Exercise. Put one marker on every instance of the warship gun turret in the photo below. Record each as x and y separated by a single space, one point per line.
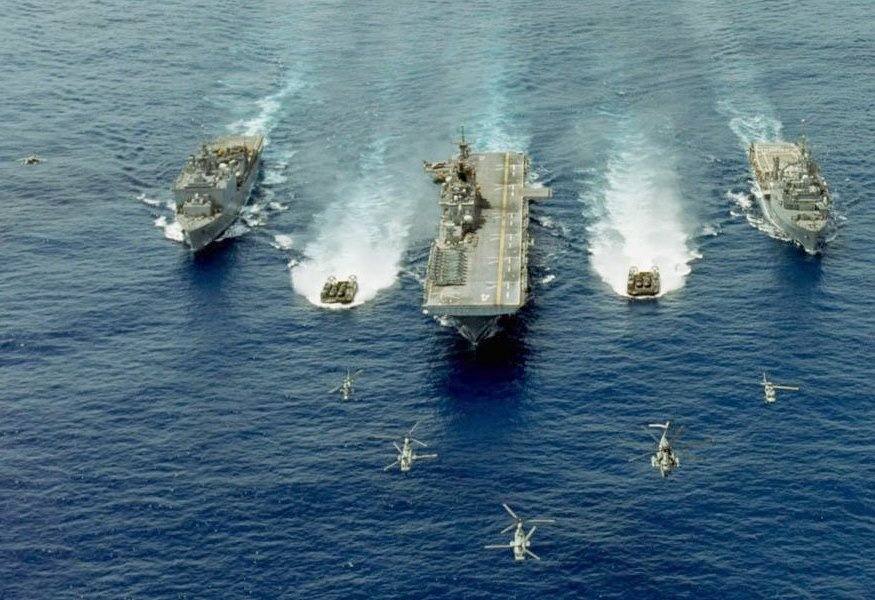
643 283
794 197
478 264
214 185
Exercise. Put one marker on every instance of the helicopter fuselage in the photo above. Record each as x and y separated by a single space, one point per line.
520 543
405 459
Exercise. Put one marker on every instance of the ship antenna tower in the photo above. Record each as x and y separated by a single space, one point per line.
464 147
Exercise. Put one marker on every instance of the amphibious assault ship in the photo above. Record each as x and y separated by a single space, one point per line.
478 264
794 195
214 185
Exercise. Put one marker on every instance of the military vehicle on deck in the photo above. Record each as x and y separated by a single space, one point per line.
339 292
643 283
214 185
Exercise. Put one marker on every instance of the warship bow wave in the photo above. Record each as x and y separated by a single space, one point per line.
478 264
794 197
214 186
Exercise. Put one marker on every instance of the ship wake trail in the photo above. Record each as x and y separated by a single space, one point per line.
496 127
637 219
365 233
270 110
736 77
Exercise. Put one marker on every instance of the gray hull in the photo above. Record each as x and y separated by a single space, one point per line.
200 236
214 186
810 240
793 195
476 329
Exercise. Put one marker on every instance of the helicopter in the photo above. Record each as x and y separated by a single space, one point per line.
521 541
770 387
346 388
406 455
666 459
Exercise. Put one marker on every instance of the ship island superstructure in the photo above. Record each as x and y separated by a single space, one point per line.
214 185
795 197
478 264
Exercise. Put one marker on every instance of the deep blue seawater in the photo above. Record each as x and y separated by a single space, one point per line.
165 430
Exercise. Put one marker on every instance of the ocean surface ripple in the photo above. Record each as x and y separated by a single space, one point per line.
165 424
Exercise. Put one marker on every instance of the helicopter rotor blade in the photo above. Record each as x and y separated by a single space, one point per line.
387 467
532 554
508 528
335 390
510 512
397 447
412 429
531 532
645 455
416 441
541 520
498 546
421 456
792 388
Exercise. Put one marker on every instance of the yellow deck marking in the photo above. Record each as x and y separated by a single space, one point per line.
503 229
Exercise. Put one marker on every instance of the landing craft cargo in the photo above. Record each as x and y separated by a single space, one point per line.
478 265
794 195
214 185
643 283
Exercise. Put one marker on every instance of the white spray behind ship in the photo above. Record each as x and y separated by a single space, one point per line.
638 218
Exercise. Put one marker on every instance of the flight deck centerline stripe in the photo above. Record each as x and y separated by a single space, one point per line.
503 230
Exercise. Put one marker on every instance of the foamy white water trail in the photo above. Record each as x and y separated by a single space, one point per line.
282 241
172 229
495 130
638 219
269 109
736 76
364 233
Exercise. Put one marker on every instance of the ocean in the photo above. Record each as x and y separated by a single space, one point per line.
166 426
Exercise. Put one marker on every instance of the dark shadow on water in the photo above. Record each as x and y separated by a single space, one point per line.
493 370
799 271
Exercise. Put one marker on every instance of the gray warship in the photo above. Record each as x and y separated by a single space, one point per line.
478 264
214 185
794 196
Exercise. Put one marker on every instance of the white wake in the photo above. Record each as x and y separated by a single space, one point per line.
638 219
269 109
363 233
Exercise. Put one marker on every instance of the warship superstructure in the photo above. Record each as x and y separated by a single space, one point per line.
478 264
214 185
794 197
